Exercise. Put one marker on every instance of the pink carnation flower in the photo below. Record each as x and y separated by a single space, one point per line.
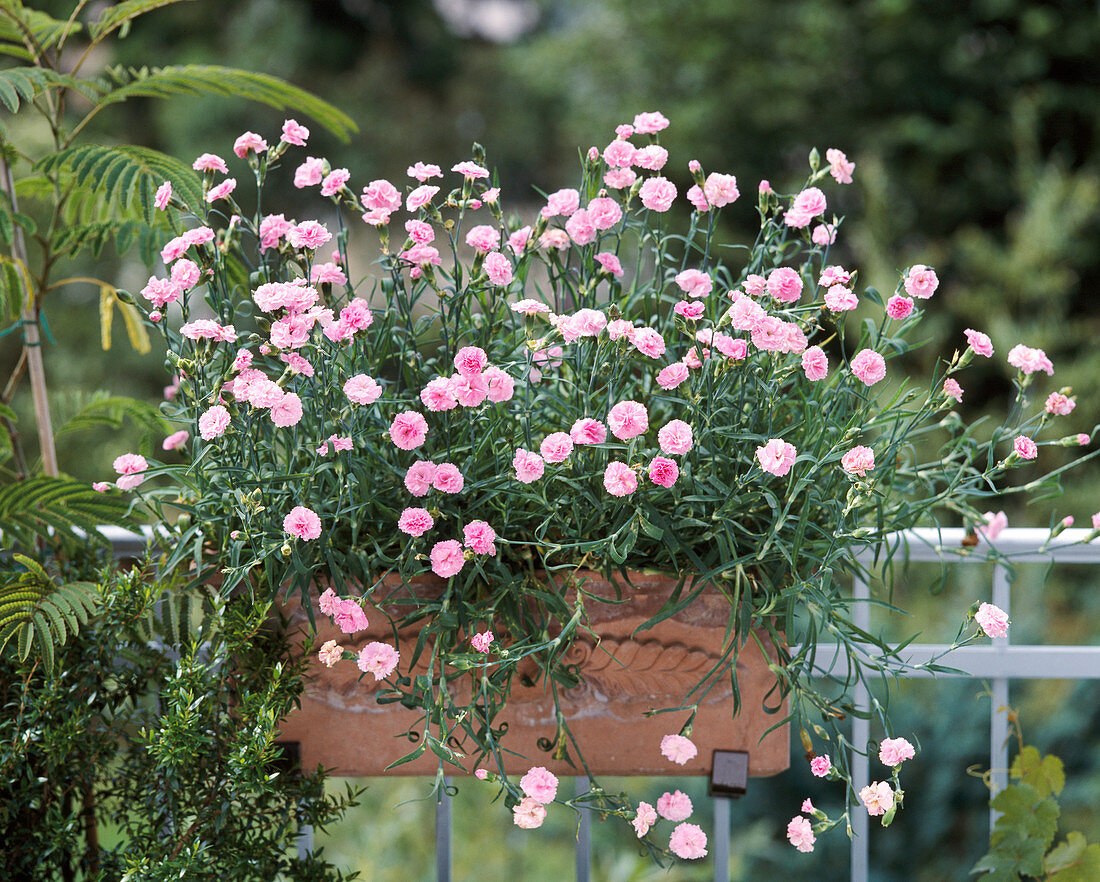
310 173
501 385
213 422
800 834
695 283
163 194
815 364
898 307
858 461
674 806
210 162
672 376
334 181
1030 360
561 202
447 478
330 653
483 238
423 171
1025 448
868 366
658 194
470 361
556 447
839 166
776 457
1058 404
806 206
784 284
652 157
649 342
470 170
675 438
952 389
249 142
415 521
992 620
878 797
994 524
287 411
820 766
663 471
379 659
834 275
176 440
678 749
447 558
294 133
349 616
362 389
540 784
421 196
921 282
840 299
894 751
823 234
650 123
609 263
627 420
588 431
498 268
480 538
979 342
222 190
720 190
419 477
380 195
619 479
408 430
528 814
302 522
644 818
529 466
604 212
688 841
482 641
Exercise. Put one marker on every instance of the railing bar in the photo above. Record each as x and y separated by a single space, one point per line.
721 839
584 834
998 704
861 734
443 834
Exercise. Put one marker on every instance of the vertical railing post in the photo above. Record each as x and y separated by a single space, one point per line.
861 734
998 703
583 858
721 847
443 833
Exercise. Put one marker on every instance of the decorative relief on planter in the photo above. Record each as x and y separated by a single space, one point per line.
341 726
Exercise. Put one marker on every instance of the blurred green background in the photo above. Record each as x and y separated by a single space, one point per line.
975 128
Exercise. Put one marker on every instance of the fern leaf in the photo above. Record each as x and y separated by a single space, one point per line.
111 411
197 79
41 29
38 611
24 84
116 173
122 14
30 509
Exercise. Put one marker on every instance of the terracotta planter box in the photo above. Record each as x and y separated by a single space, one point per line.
341 726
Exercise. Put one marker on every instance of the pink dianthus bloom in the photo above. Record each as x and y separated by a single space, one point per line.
556 447
480 538
362 389
131 467
649 342
561 202
310 173
720 190
663 471
222 190
447 558
210 162
482 641
420 232
658 194
815 364
498 268
921 281
287 411
652 157
678 749
581 228
834 275
470 361
470 170
419 477
820 766
675 437
784 284
501 385
868 366
540 784
754 285
349 616
588 431
1025 448
1030 360
688 841
379 659
776 457
807 205
994 524
674 806
697 198
334 182
979 342
840 299
421 196
688 310
528 814
330 653
213 422
408 430
619 479
858 461
328 602
447 478
878 797
628 419
309 235
1058 404
529 466
423 171
894 751
249 141
672 376
327 273
483 238
175 440
604 212
992 620
898 307
839 166
415 521
518 240
952 389
650 123
695 283
295 133
619 155
609 263
302 522
439 395
380 195
823 234
800 834
644 818
163 194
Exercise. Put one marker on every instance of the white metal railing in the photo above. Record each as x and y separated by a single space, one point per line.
1000 662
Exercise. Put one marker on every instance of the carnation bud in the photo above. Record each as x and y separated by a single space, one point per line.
286 550
593 154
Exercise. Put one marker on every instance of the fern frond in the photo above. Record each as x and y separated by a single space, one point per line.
30 509
38 611
110 411
94 236
19 25
122 14
24 84
198 79
121 173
